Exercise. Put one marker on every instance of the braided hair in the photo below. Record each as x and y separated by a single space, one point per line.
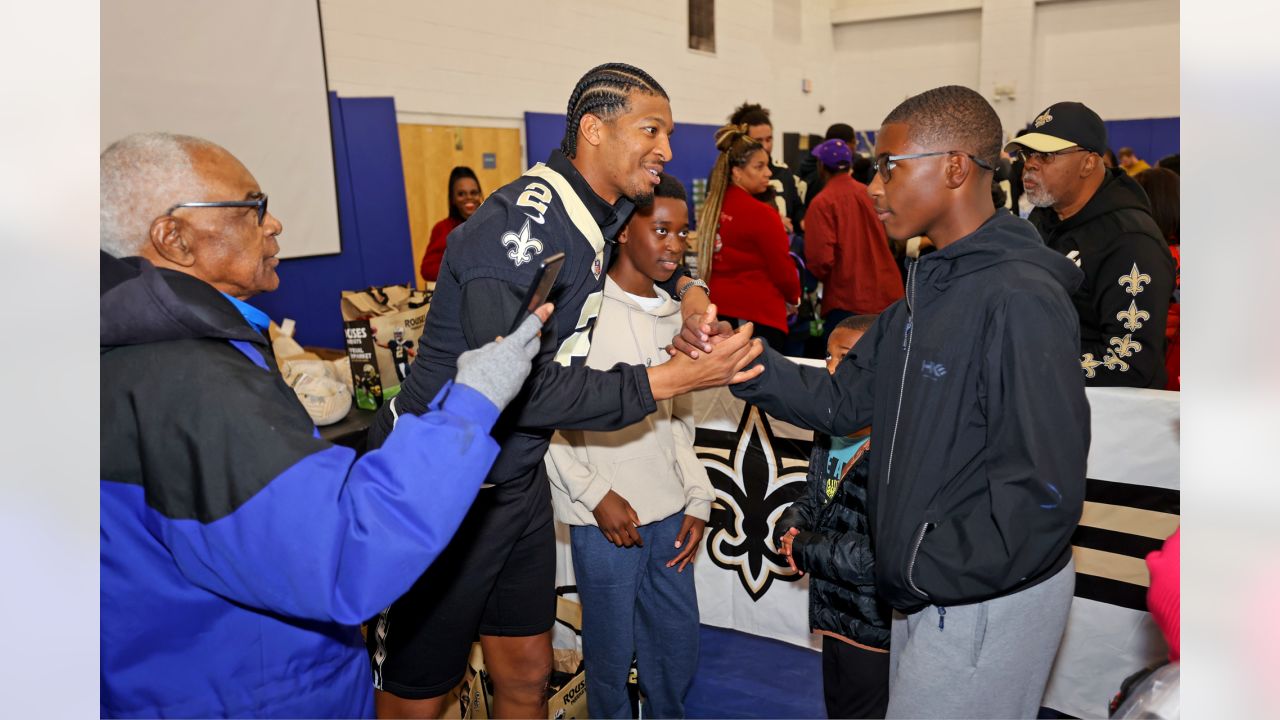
603 92
736 148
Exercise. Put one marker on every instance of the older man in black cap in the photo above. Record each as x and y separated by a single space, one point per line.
1101 219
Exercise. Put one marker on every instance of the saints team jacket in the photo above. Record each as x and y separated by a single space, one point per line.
239 551
489 261
972 386
1128 282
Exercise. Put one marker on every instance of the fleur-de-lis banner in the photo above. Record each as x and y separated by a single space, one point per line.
755 476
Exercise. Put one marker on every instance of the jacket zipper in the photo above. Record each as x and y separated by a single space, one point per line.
907 335
911 565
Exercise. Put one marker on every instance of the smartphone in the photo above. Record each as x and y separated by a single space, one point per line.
543 280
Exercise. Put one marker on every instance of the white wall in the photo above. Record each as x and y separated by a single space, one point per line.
486 63
883 62
489 62
1119 57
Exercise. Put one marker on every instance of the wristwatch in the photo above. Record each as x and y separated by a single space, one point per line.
693 282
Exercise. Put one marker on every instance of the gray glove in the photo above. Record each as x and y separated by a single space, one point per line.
497 370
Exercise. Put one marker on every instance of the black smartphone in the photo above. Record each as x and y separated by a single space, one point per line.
543 280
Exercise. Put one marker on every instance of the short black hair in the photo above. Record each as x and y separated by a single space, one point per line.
750 114
1170 162
670 187
603 92
951 117
840 131
857 323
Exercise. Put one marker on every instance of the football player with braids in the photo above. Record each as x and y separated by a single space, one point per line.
497 577
786 191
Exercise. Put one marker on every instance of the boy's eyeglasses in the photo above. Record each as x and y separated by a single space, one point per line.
885 163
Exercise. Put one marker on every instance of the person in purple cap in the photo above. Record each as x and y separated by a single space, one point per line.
845 245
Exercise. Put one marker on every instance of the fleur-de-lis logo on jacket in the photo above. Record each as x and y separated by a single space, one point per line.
1133 317
754 481
1126 346
1135 280
523 247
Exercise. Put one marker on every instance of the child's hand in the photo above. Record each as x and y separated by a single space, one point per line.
618 520
687 541
784 546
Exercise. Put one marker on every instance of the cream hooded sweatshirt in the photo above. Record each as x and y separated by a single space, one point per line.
652 464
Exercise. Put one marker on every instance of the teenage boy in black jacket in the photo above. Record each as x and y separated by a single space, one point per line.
971 384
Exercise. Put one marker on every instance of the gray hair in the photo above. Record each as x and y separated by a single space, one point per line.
142 175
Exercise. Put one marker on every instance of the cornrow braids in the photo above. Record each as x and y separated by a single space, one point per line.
736 148
951 117
750 114
603 92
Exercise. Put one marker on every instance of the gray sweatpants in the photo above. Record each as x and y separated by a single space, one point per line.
990 659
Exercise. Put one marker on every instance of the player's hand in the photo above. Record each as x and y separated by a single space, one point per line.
785 548
701 332
726 366
687 541
618 520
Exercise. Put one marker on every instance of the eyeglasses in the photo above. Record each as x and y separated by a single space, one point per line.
885 163
258 200
1044 158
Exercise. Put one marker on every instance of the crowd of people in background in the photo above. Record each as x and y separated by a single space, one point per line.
948 273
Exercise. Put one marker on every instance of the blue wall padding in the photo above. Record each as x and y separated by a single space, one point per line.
373 218
693 148
1150 138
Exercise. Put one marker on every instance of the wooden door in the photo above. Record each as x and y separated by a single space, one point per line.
430 152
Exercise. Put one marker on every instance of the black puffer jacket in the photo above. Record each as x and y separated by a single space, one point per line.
832 548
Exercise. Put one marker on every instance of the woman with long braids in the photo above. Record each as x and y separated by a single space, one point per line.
743 250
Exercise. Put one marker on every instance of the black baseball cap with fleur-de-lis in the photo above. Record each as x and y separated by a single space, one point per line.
1063 125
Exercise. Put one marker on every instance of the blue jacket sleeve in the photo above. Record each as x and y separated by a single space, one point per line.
337 539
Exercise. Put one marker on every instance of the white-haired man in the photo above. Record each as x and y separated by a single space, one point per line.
239 551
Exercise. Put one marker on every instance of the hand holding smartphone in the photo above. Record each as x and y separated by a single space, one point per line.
543 280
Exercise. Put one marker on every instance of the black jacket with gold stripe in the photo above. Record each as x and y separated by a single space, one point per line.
489 262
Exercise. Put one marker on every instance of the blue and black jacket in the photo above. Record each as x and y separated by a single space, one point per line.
239 551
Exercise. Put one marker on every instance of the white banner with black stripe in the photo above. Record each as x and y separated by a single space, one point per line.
757 467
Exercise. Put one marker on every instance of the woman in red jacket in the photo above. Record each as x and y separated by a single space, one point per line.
464 198
743 250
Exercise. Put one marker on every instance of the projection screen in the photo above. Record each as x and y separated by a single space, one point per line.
246 74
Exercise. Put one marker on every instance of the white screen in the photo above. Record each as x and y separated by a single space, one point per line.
246 74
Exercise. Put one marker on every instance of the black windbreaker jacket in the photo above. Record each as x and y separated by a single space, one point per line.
972 386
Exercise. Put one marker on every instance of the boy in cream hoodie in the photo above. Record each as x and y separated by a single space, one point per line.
637 499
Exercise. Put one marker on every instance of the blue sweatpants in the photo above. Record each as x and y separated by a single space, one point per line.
632 604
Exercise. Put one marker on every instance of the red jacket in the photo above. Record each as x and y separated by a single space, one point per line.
435 248
752 274
845 247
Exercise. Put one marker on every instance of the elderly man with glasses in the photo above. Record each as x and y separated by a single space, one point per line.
240 552
1100 219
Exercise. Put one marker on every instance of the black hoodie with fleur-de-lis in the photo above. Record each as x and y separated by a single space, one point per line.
1128 282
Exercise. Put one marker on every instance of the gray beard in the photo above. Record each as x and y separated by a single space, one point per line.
1041 197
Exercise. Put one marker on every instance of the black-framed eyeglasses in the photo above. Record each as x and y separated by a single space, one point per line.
1044 158
885 163
258 201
